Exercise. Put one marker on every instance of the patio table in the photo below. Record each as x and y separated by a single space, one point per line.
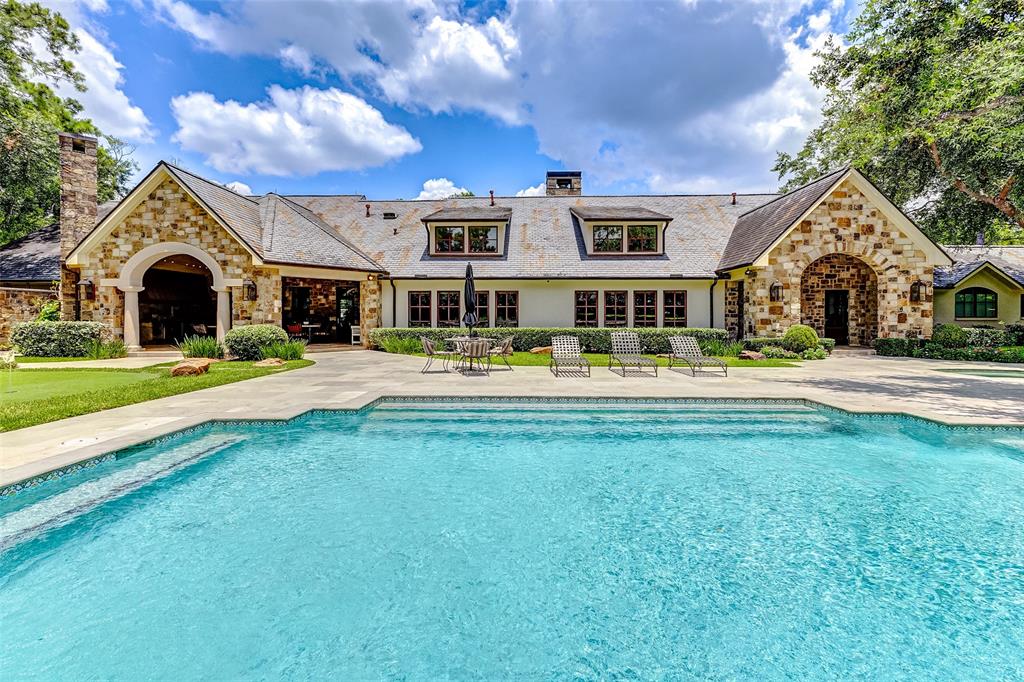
309 330
460 341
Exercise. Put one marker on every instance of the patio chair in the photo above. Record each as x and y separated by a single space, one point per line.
686 349
432 353
294 331
565 352
503 350
627 352
477 350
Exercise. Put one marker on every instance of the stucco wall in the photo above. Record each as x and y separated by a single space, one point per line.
550 303
1008 301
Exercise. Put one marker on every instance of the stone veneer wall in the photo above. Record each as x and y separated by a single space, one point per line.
20 305
169 214
845 222
321 295
78 197
369 308
733 323
840 271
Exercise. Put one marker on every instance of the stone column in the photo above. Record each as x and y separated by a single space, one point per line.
223 313
131 317
369 303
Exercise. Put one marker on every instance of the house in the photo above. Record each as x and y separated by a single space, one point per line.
181 254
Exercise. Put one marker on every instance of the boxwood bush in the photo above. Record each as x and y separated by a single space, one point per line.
248 342
914 348
1015 334
592 339
800 337
757 343
950 336
987 337
65 339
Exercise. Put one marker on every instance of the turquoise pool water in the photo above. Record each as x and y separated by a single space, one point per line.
527 541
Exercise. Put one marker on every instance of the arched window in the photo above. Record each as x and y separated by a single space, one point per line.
976 302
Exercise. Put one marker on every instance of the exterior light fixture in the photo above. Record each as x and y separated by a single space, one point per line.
249 287
775 292
917 291
86 290
750 272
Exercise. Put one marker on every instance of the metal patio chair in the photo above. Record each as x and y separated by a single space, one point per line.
685 349
503 350
430 348
627 352
565 352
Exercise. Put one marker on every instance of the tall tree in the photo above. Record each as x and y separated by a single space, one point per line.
34 47
927 98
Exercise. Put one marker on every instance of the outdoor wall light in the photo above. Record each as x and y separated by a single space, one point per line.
86 290
917 291
775 292
249 287
750 272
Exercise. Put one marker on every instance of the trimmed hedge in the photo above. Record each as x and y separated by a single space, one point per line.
56 339
248 342
915 348
1015 334
592 339
897 348
756 343
987 337
950 336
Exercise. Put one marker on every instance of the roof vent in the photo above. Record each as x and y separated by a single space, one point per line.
390 215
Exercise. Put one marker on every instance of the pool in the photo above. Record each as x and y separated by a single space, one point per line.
527 540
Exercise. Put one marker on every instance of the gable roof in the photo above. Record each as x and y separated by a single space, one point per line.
758 229
293 234
240 213
1007 260
32 258
469 213
618 213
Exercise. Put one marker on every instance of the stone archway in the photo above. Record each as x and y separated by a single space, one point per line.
131 283
822 284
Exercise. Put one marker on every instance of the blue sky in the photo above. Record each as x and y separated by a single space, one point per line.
403 99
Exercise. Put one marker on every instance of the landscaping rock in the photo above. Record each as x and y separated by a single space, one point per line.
751 355
191 367
269 362
541 350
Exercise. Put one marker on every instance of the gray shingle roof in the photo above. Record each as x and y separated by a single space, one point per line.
469 213
618 213
756 230
33 258
967 259
294 234
240 212
545 240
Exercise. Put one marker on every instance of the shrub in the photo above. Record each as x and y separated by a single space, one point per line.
55 339
950 336
986 337
400 345
1015 334
49 311
827 344
896 348
201 347
104 350
799 338
248 342
722 348
289 350
816 353
756 343
8 361
778 353
592 339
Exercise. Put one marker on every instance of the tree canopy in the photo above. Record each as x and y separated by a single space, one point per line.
927 99
35 44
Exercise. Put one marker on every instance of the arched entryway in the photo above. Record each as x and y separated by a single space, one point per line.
839 299
177 300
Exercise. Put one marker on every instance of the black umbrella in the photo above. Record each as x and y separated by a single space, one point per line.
470 319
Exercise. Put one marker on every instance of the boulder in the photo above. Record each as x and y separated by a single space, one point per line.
541 350
191 367
751 355
269 362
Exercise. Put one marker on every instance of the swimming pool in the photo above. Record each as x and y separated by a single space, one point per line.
494 540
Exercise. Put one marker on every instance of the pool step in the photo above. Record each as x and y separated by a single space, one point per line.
60 509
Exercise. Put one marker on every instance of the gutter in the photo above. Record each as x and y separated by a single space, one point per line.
711 302
394 302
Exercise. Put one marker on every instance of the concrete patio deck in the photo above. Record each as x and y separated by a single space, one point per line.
352 379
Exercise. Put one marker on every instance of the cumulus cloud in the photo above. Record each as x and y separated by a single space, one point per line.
239 187
535 191
440 188
294 132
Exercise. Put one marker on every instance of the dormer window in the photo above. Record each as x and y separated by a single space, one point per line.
642 239
449 239
467 230
607 238
621 230
483 239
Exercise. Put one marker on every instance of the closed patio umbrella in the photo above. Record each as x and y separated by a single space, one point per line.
470 319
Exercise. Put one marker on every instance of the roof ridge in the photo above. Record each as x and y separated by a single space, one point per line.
315 220
797 189
207 180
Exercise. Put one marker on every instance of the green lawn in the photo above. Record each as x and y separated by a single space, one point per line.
520 359
36 396
33 359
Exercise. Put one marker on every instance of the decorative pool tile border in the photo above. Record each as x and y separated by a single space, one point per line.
56 474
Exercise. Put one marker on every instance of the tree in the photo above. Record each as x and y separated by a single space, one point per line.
31 115
927 99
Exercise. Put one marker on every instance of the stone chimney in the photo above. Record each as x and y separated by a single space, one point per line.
564 184
78 195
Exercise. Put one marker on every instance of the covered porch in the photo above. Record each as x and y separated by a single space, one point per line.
327 308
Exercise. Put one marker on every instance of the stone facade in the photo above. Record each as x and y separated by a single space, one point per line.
844 223
169 214
840 271
78 199
20 305
369 307
322 299
734 323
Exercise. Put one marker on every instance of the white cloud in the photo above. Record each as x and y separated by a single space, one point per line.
535 191
239 187
302 131
440 188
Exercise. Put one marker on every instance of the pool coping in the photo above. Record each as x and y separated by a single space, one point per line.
366 402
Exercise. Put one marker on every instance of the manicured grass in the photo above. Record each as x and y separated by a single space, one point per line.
59 393
520 359
33 359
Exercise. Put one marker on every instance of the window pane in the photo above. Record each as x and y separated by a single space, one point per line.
449 239
482 308
419 308
675 308
586 308
483 240
643 238
645 309
615 309
448 310
607 238
506 308
976 302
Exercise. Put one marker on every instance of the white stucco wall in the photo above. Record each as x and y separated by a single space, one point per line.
550 303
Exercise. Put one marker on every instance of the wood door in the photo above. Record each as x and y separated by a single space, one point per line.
837 316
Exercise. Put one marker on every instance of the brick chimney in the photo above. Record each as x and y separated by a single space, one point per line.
564 184
77 208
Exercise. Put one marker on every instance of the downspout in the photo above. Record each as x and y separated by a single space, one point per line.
711 300
394 302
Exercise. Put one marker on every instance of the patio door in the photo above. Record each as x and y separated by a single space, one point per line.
347 302
837 316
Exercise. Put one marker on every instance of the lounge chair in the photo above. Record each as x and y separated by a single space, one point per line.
433 353
627 352
565 352
686 349
503 350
